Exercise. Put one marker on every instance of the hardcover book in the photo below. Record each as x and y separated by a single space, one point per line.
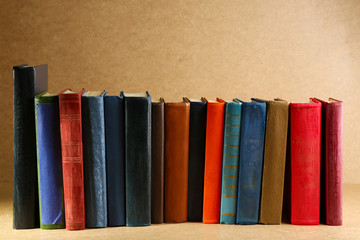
115 158
93 124
177 116
213 160
27 82
48 144
230 167
252 136
137 158
72 158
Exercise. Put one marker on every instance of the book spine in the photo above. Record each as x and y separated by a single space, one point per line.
252 138
230 166
213 162
93 125
49 162
305 130
72 160
197 138
115 159
138 160
157 163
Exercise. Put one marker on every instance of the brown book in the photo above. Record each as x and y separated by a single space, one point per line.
274 162
157 162
177 116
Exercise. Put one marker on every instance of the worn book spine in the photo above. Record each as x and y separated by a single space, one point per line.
157 162
274 162
177 116
49 162
72 158
138 159
115 159
197 138
252 138
305 127
230 167
27 82
93 124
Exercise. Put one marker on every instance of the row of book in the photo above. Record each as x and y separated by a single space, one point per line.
89 159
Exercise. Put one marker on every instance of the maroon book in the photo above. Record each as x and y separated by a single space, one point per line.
72 158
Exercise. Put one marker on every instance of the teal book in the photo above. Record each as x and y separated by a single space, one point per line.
230 169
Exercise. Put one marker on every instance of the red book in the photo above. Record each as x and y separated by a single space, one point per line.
305 137
213 160
331 160
72 158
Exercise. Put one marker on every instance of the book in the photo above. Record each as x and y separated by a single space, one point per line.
27 82
93 132
274 162
47 122
137 158
115 158
230 167
252 136
213 160
177 116
331 161
72 158
157 161
305 136
197 138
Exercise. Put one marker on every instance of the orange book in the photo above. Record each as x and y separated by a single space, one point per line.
213 160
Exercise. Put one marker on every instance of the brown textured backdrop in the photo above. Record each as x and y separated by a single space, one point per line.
288 49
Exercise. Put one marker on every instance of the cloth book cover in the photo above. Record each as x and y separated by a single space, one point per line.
277 122
177 117
197 138
93 124
27 82
213 160
115 158
157 161
252 136
305 134
137 158
72 158
230 167
331 161
48 144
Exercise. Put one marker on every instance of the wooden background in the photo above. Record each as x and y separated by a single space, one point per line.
279 48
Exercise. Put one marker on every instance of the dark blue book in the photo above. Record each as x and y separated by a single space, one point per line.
252 136
138 158
93 127
115 159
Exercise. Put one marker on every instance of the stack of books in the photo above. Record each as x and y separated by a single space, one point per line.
87 159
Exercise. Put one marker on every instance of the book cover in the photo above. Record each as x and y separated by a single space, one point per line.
72 158
93 125
137 158
197 138
177 116
230 167
27 82
305 136
115 158
213 160
157 161
47 122
252 136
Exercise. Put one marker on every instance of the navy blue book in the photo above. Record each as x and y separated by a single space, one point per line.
93 127
47 121
138 158
115 159
252 136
